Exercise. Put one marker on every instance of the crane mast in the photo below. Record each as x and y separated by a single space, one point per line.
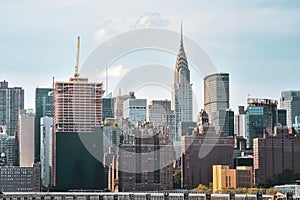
76 74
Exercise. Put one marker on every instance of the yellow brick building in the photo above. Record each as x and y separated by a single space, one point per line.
226 178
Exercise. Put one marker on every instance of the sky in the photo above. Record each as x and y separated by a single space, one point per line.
256 41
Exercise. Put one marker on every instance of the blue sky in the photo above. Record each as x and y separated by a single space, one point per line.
256 41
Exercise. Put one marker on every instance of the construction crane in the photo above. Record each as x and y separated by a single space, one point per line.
76 74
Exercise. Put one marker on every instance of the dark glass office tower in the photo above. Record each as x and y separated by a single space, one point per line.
43 108
261 118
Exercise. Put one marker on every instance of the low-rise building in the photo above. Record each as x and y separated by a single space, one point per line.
20 179
226 178
294 188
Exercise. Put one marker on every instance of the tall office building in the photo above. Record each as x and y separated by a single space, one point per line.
159 112
290 101
118 107
156 110
77 119
7 147
26 137
229 122
182 94
261 117
77 105
216 99
11 101
111 134
43 108
281 117
135 110
240 122
274 154
108 104
297 124
46 126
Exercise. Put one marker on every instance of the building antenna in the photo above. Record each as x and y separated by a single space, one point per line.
76 74
181 27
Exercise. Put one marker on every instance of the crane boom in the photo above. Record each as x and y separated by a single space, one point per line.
76 74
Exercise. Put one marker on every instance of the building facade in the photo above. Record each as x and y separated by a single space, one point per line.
200 153
77 105
11 101
240 122
281 117
186 128
229 123
26 137
261 117
290 101
135 110
20 179
157 110
7 148
118 107
275 154
216 99
182 94
111 134
145 161
46 151
108 103
77 133
43 108
226 178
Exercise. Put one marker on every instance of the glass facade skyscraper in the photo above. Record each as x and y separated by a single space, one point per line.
108 103
290 101
43 108
11 101
261 117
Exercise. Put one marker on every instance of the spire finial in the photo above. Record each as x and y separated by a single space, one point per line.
76 74
181 27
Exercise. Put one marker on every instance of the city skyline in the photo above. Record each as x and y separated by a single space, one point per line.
164 96
259 42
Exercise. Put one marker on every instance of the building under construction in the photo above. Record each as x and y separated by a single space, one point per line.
77 111
77 103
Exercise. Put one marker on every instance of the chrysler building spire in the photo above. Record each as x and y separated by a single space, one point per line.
181 60
182 89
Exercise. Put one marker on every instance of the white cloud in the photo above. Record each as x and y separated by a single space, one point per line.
117 25
117 71
151 20
109 28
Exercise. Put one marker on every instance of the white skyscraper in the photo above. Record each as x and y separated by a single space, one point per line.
182 95
26 138
46 125
240 122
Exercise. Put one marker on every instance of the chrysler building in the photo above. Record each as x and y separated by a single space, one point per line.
182 95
